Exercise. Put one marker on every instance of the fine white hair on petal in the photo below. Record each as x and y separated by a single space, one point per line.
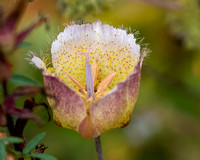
96 31
38 63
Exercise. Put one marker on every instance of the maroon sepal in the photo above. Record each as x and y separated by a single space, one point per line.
30 90
11 109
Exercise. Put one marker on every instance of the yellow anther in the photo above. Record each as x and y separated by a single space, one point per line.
76 82
100 94
94 72
105 82
91 80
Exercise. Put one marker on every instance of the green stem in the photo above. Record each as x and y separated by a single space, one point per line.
99 148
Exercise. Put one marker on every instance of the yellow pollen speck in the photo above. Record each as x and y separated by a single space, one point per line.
109 58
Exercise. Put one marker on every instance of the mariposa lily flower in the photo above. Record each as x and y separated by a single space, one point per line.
94 77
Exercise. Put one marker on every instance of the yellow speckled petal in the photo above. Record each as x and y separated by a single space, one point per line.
50 71
76 82
68 107
112 49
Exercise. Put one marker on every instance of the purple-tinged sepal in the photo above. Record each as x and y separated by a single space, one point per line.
67 106
114 109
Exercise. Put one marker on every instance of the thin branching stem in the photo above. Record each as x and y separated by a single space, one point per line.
5 91
10 123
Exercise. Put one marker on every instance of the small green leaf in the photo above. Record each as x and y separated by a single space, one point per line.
2 151
24 44
17 154
11 139
33 143
3 129
23 80
42 156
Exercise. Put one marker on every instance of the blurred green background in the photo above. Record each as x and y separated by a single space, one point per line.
165 123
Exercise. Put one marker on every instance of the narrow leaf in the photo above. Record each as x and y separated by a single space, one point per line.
42 156
24 44
2 151
21 36
33 143
11 139
23 80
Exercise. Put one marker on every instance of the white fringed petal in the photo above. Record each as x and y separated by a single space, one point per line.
95 32
38 63
112 49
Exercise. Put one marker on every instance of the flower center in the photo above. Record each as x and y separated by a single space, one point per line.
92 93
109 56
89 76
